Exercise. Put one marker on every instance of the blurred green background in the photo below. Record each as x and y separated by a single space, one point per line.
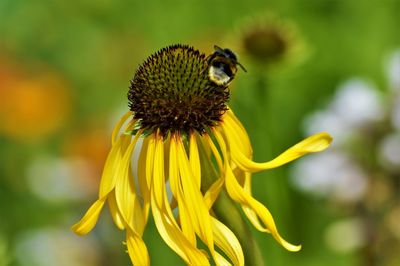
65 68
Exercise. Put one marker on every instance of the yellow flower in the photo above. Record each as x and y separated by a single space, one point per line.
181 119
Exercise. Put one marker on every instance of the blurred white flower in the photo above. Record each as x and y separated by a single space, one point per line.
327 121
395 113
356 104
393 70
60 179
346 235
52 246
389 151
331 174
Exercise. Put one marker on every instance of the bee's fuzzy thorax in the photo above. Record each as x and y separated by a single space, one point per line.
219 76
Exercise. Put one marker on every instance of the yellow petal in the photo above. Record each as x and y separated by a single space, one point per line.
115 214
107 182
187 227
174 238
137 249
158 187
184 211
220 260
150 158
144 187
207 142
162 214
315 143
157 162
237 127
244 178
204 144
112 165
139 217
213 191
226 240
125 191
118 126
238 194
194 159
193 197
89 220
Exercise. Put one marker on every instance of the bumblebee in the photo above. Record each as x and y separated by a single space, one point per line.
222 66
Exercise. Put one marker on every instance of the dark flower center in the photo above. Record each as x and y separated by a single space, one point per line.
265 44
171 91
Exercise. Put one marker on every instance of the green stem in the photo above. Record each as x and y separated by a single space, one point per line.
229 214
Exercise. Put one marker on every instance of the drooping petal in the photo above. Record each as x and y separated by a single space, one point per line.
250 214
89 220
238 128
125 191
315 143
144 187
157 163
186 221
138 218
151 145
115 213
163 217
244 180
194 159
238 194
108 179
220 260
107 183
176 188
137 249
174 238
111 167
226 240
194 199
207 142
118 127
158 185
213 191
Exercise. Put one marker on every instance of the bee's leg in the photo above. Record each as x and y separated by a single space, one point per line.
207 67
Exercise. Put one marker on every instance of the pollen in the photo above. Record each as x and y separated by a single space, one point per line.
171 92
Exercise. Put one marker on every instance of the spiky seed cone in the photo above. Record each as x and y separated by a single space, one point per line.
171 92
